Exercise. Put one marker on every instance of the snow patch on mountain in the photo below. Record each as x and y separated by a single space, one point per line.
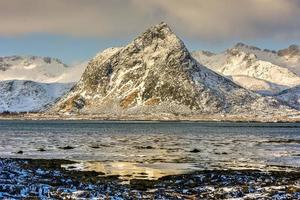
258 85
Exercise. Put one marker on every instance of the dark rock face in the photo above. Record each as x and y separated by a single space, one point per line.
292 50
153 74
242 45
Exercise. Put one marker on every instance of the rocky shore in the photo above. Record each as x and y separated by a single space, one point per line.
291 118
42 179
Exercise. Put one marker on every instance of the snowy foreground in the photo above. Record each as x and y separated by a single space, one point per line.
29 179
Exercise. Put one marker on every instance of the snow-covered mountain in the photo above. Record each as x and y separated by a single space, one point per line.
29 83
262 71
156 74
288 58
291 97
29 96
39 69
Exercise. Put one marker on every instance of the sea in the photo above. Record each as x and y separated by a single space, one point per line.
152 149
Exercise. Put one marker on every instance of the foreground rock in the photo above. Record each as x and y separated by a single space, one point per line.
30 179
156 74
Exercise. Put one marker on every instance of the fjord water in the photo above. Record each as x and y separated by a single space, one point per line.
155 148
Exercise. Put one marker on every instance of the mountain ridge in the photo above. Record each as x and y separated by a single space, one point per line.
18 96
37 68
253 63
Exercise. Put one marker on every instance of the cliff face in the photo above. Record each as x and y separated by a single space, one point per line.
156 74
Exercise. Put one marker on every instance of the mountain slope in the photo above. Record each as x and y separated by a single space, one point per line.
252 68
288 58
29 96
156 74
39 69
291 97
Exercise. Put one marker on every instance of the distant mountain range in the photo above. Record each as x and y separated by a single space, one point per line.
156 74
29 83
39 69
29 96
263 71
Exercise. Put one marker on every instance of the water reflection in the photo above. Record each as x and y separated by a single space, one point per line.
128 171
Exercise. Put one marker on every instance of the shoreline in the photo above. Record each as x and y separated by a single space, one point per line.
41 178
154 118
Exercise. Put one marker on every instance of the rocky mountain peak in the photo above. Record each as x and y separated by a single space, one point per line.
159 31
153 74
158 37
240 44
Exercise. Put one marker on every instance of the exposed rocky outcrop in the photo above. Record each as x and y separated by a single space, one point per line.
291 51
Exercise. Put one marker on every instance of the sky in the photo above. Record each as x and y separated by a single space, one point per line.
75 30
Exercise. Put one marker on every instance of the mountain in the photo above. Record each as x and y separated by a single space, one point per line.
29 83
29 96
291 97
263 71
288 58
155 74
39 69
290 52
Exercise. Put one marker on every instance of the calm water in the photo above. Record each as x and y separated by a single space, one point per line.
146 146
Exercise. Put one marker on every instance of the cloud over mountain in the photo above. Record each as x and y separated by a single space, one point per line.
201 19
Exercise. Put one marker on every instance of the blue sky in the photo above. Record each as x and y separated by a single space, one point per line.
75 30
74 49
68 49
